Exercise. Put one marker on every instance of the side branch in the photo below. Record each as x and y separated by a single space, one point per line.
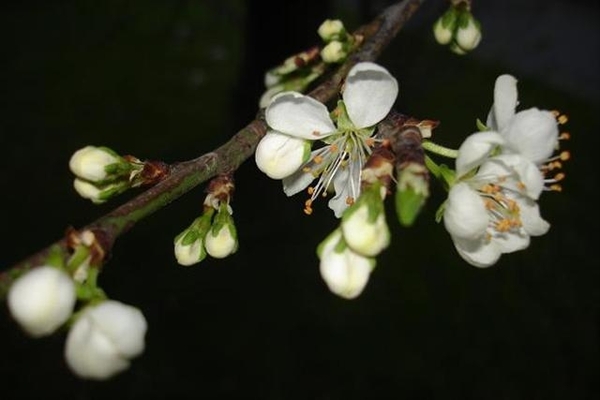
184 176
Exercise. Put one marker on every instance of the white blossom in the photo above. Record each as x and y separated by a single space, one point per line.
42 300
369 94
104 338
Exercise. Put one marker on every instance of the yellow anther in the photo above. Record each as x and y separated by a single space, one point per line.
318 159
370 142
562 119
556 188
503 225
489 204
490 188
308 207
333 148
565 155
310 190
521 186
516 223
306 170
512 205
556 113
349 200
564 136
559 177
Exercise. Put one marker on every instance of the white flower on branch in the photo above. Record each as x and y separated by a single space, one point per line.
42 300
495 211
90 163
368 95
104 338
492 209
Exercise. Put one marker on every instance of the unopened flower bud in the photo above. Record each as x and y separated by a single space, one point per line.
42 300
411 192
90 162
345 272
363 223
222 241
468 33
279 155
189 244
98 194
334 52
444 27
104 339
331 29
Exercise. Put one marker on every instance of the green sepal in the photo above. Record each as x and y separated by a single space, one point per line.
439 214
408 205
481 126
447 174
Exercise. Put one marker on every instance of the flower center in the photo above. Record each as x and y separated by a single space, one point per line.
505 214
346 150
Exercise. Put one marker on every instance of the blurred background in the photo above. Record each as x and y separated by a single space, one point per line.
171 80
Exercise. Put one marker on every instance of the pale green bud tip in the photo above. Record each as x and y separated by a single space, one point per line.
334 52
365 229
42 300
104 339
468 36
222 243
89 163
331 29
189 252
412 191
443 34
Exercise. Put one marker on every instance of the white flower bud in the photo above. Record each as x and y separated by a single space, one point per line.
89 163
42 300
331 29
334 52
104 339
279 155
468 36
345 272
443 34
222 243
365 233
189 252
87 190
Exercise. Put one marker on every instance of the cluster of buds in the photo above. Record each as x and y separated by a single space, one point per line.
301 69
213 232
458 28
338 42
100 173
347 255
63 293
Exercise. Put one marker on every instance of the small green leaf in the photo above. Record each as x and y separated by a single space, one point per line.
408 205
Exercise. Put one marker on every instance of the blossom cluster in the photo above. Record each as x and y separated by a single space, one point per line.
103 336
501 172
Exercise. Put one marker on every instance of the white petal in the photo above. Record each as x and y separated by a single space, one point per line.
510 242
465 215
477 252
534 134
369 93
300 116
342 184
522 176
532 221
505 102
475 149
297 182
279 155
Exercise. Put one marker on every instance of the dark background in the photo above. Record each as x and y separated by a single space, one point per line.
171 80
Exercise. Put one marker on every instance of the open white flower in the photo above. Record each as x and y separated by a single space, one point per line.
369 94
104 339
495 211
345 272
42 300
533 133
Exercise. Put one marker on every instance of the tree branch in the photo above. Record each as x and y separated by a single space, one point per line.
186 175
